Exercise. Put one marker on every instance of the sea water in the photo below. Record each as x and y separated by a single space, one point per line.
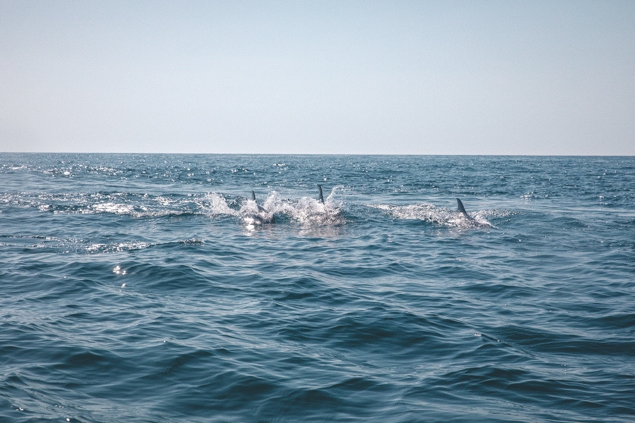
152 288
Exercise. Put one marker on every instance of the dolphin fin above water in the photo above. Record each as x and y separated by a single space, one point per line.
253 198
462 209
479 221
321 197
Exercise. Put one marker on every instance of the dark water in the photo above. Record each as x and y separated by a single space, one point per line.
150 288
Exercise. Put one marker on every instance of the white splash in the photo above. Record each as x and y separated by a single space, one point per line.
217 205
305 211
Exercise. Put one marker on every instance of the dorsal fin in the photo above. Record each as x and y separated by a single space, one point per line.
461 208
321 198
253 197
260 208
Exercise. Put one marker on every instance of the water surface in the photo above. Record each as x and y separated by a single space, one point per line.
145 288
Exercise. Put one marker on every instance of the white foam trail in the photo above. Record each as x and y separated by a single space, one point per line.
437 215
117 247
113 208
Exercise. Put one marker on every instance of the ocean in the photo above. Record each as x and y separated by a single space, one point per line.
153 288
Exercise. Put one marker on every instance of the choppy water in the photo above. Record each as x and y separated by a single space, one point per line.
150 288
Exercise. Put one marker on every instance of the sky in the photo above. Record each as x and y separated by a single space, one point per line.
318 77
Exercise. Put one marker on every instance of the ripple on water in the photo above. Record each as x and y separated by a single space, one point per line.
133 290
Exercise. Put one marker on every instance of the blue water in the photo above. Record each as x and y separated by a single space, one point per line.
151 288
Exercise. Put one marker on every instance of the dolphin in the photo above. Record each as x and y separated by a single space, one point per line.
321 197
480 222
262 216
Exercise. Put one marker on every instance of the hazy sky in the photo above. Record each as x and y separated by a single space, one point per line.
388 77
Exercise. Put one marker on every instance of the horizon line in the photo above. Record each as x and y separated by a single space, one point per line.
322 154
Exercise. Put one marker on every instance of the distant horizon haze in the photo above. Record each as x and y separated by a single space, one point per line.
105 153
